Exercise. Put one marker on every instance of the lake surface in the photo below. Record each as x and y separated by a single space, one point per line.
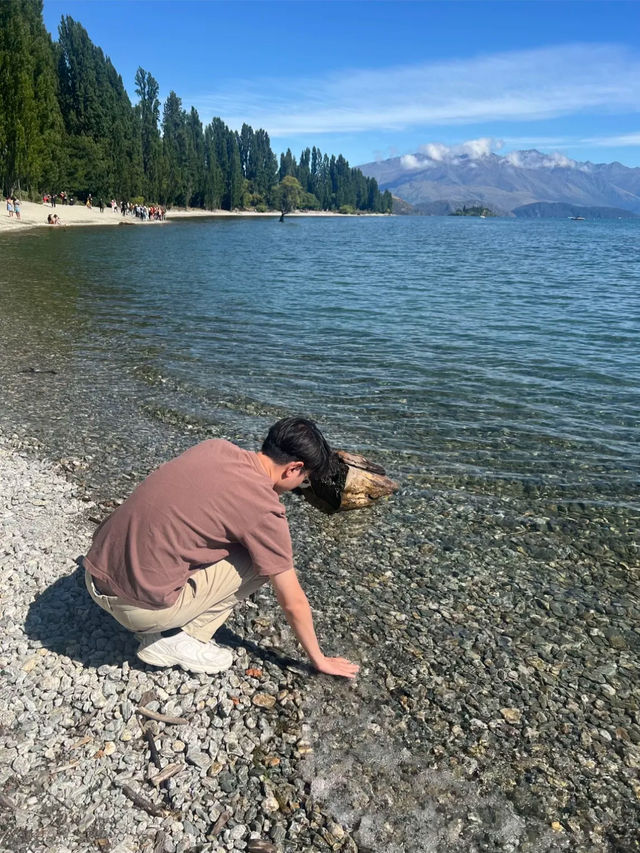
493 367
479 349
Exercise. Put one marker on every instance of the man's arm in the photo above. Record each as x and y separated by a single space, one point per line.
293 601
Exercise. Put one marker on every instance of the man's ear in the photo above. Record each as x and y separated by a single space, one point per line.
293 468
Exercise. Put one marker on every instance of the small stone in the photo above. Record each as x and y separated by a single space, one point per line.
556 826
109 748
30 664
178 746
126 735
238 832
228 782
335 829
264 700
617 641
198 758
270 805
511 715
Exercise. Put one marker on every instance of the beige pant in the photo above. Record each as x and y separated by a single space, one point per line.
204 603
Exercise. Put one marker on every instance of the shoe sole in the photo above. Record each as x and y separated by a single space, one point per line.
165 660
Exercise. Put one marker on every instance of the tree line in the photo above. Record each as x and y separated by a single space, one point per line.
66 122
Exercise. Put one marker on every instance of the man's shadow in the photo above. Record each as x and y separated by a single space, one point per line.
64 620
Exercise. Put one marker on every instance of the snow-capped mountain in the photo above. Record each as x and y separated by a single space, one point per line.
504 183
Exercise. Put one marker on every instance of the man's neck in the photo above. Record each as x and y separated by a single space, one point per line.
268 466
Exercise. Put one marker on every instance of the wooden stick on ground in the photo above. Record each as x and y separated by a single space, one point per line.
155 757
169 771
219 825
153 749
143 802
161 718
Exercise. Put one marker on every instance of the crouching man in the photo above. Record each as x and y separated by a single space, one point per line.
199 535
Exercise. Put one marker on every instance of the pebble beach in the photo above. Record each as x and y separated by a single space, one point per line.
494 711
492 602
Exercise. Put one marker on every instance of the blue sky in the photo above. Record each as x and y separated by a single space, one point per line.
373 80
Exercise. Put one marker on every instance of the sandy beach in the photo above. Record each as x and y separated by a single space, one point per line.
34 215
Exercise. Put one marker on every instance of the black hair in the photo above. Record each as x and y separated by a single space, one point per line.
298 440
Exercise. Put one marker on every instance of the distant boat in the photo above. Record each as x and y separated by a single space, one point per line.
577 218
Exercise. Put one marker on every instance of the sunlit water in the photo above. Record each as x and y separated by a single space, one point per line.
477 348
473 358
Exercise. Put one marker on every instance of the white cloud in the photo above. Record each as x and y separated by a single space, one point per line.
437 152
474 149
535 160
410 161
622 141
521 85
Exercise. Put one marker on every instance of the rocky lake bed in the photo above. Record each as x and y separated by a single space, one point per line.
493 602
496 709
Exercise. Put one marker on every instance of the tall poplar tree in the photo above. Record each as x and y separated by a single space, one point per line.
30 121
174 146
148 110
104 146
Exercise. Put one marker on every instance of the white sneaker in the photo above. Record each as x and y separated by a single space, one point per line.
185 651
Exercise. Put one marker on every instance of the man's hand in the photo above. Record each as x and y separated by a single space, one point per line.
296 608
337 666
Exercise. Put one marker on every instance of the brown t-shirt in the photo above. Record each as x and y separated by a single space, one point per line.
193 511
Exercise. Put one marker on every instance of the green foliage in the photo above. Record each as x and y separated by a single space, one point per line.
66 122
475 210
309 202
103 134
148 115
30 121
287 195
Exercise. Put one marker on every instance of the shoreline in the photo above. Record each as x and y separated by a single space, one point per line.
495 616
264 742
34 215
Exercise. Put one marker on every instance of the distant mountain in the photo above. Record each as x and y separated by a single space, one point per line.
503 183
402 208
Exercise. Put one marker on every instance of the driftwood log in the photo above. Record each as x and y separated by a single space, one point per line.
353 482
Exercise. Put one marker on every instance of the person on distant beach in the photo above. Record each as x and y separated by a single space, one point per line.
16 207
10 207
101 205
89 201
199 535
52 199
